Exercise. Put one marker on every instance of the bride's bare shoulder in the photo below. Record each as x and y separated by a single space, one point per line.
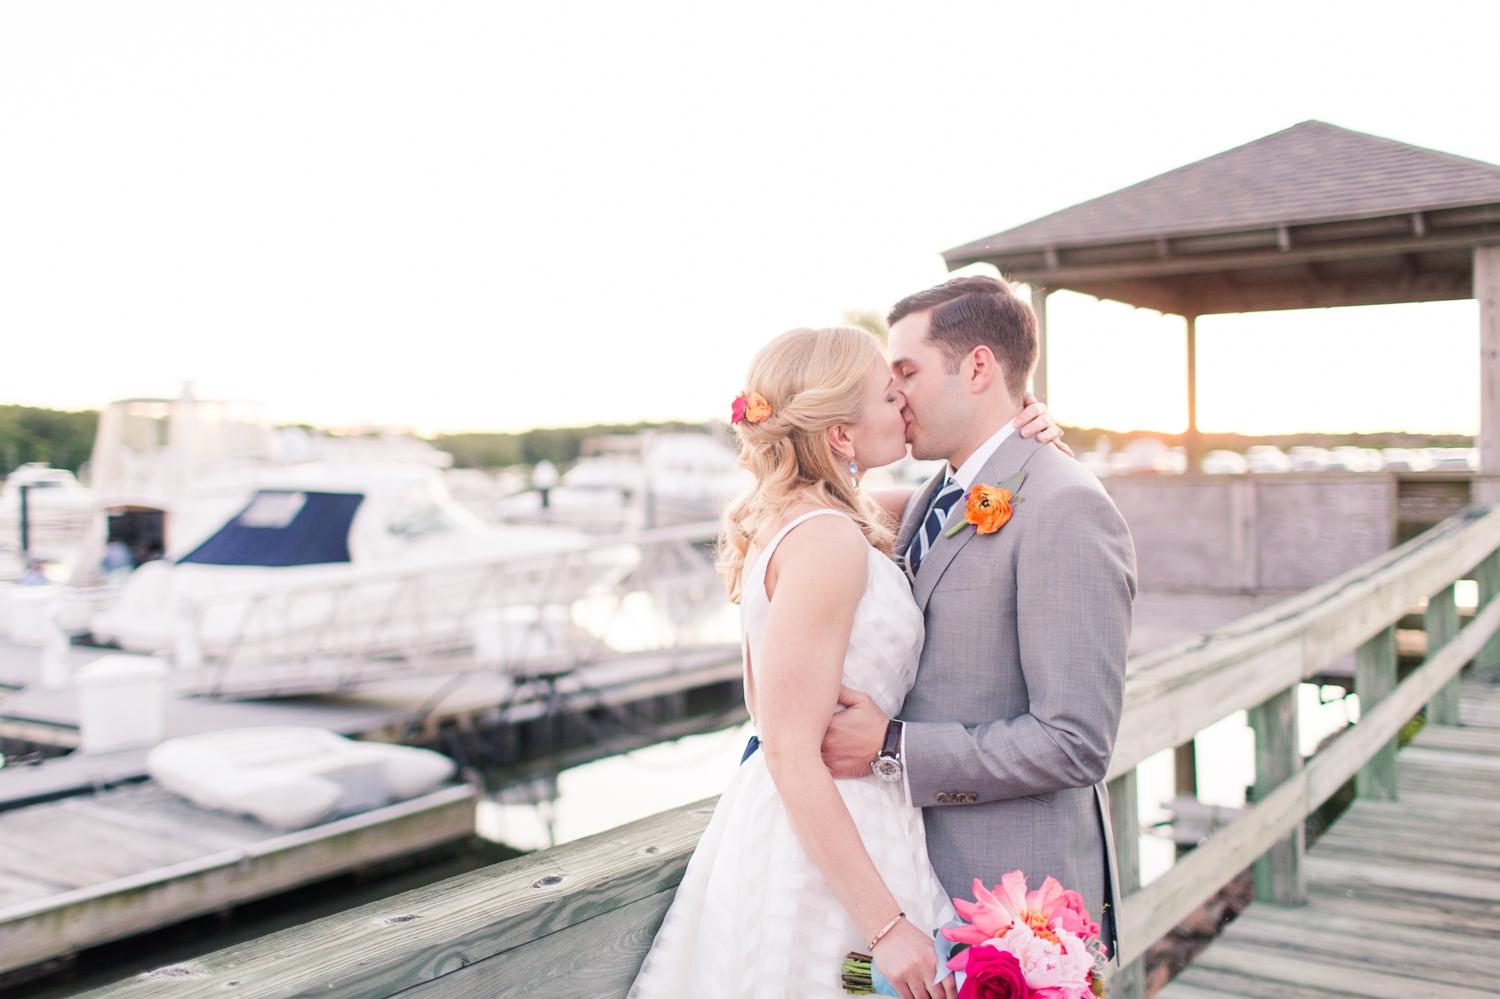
829 549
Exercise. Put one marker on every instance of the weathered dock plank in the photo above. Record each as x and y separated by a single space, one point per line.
1403 896
537 919
70 880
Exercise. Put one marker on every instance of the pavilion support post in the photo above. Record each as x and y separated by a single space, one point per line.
1125 822
1442 626
1279 876
1487 291
1375 677
1039 306
1194 445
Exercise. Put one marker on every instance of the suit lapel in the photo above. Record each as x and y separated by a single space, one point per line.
1011 455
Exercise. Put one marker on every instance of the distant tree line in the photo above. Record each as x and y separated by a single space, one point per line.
559 445
1085 438
61 439
66 440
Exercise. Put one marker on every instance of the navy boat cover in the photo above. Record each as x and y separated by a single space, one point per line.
281 527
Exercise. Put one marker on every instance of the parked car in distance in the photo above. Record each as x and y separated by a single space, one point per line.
1264 458
1223 463
1356 459
1308 459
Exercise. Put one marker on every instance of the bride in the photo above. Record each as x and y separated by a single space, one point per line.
797 869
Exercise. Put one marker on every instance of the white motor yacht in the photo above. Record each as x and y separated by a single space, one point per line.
57 512
336 558
246 541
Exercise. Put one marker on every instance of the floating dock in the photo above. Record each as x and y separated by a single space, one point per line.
91 850
93 868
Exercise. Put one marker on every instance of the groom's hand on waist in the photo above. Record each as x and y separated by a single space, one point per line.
854 736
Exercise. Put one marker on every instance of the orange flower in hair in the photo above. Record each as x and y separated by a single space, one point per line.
749 409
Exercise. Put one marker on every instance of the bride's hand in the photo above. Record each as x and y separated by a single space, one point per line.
1036 420
906 958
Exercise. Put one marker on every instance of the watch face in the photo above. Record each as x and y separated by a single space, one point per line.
887 768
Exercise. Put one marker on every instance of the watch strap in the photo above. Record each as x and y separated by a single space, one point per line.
892 745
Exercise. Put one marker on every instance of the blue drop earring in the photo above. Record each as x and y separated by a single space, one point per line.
854 470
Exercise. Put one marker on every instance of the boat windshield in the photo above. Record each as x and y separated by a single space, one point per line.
282 527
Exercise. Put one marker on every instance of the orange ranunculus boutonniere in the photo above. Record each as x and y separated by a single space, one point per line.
989 507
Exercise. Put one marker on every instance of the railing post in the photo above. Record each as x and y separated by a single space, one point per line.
1185 776
1442 625
1278 872
1487 575
1374 678
1185 768
1125 823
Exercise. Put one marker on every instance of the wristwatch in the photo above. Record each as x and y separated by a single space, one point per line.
887 766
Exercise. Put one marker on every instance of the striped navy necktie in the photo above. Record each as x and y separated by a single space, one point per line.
932 526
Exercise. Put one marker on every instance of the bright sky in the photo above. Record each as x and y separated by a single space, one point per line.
493 216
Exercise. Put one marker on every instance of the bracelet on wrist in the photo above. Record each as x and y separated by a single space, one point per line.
884 930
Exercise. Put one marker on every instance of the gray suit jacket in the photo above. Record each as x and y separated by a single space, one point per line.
1012 720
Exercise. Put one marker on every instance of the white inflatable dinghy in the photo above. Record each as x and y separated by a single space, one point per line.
291 777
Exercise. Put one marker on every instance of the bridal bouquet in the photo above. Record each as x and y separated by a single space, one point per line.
1014 944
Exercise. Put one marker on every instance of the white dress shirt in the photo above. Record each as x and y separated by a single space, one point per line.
966 472
964 476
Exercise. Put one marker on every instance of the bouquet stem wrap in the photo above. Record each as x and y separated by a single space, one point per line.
862 978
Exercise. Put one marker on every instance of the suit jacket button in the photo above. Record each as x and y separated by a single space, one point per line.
943 798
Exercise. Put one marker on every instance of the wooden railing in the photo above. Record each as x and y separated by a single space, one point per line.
576 920
1255 664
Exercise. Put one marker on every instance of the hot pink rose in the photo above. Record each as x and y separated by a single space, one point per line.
993 974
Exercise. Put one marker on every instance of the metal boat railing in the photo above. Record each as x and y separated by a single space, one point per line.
531 614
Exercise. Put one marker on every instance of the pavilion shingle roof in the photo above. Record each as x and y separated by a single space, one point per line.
1312 172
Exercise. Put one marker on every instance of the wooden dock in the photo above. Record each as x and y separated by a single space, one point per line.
481 719
574 922
1403 897
94 868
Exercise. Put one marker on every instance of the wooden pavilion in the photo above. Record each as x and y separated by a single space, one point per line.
1310 217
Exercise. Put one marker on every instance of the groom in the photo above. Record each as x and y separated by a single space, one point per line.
1006 736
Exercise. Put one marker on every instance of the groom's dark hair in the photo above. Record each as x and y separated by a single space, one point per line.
969 311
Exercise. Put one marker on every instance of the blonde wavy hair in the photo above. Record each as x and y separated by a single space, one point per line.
813 379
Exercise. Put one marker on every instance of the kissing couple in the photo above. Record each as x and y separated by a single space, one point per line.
935 676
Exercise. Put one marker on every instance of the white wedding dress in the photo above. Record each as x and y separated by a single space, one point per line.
754 917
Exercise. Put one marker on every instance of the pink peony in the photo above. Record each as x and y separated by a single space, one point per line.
993 974
987 917
1073 917
1050 906
1064 964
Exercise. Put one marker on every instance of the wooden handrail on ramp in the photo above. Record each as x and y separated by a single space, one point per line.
577 920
